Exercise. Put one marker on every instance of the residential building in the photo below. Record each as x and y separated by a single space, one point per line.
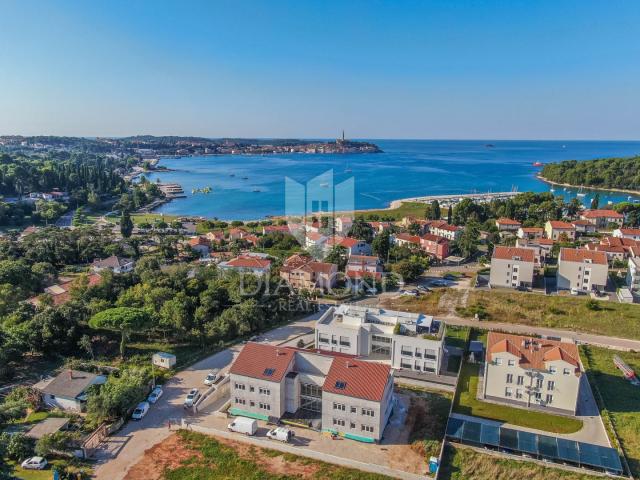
237 233
603 218
530 233
350 397
541 248
379 227
508 225
303 272
114 263
443 229
60 293
315 240
633 274
434 245
360 267
406 239
583 270
512 267
343 225
217 236
247 264
583 227
555 229
201 245
275 229
628 233
408 341
353 246
68 390
532 373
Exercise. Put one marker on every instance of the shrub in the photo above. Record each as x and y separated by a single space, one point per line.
593 304
19 447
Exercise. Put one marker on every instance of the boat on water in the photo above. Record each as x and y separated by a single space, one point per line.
232 174
552 190
489 145
245 178
580 193
537 164
257 190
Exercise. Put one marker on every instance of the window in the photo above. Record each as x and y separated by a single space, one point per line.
252 403
520 380
550 385
566 371
368 411
264 391
240 401
508 392
406 352
366 428
239 386
498 361
339 406
509 378
340 385
404 364
518 393
552 369
268 372
252 388
352 425
511 363
338 421
549 398
310 390
323 338
265 406
354 410
537 396
539 383
345 341
380 339
418 353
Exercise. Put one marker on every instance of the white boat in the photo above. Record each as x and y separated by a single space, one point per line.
552 190
580 193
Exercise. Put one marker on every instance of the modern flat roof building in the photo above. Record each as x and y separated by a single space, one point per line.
409 341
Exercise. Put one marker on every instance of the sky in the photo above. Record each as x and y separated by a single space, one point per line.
510 69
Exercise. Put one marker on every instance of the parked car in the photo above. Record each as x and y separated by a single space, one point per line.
192 398
281 434
211 377
575 291
140 411
34 463
245 425
155 394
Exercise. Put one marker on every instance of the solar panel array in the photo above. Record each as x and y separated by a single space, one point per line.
544 446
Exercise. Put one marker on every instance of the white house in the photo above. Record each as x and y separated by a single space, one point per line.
247 264
68 390
583 270
512 267
114 263
630 233
343 225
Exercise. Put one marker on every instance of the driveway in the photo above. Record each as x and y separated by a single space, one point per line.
124 448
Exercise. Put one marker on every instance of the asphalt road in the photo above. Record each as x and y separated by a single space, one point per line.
126 447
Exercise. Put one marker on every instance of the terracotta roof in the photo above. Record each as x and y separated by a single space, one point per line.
511 253
251 239
585 223
532 352
349 242
408 238
442 225
429 237
363 258
244 261
196 241
630 231
601 213
559 225
355 378
362 273
507 221
579 255
275 228
545 241
263 361
314 236
532 229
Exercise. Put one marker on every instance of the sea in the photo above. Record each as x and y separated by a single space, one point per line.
252 187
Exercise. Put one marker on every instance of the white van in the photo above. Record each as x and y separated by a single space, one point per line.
281 434
245 425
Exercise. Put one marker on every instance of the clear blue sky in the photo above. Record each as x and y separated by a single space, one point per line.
379 69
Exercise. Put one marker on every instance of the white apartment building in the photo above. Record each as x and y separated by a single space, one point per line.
633 274
349 397
407 341
532 373
629 233
512 267
584 270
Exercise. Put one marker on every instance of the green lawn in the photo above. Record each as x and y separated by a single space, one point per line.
621 399
565 312
407 209
456 336
460 463
466 403
218 461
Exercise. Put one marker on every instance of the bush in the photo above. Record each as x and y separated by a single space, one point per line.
593 304
56 442
473 310
19 447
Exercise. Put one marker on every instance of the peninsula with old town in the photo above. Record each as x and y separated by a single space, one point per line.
499 330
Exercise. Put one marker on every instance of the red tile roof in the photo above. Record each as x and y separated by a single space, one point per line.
601 214
507 221
428 237
511 253
559 225
630 231
365 380
408 238
532 352
584 223
532 229
315 236
256 358
579 255
244 261
196 241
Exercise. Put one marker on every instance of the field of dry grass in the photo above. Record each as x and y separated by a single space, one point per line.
570 313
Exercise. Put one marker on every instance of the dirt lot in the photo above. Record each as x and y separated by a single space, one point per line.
167 454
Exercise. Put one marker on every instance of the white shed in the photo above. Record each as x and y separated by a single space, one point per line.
163 359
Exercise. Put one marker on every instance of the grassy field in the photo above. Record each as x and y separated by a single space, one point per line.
460 463
213 460
621 399
429 303
466 403
407 209
571 313
456 336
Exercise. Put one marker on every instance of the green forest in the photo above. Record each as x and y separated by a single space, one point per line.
622 173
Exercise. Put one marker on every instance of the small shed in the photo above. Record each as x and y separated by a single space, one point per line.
476 351
163 360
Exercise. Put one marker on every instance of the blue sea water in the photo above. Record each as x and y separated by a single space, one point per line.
407 168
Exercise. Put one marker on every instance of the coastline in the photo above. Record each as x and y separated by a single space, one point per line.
599 189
